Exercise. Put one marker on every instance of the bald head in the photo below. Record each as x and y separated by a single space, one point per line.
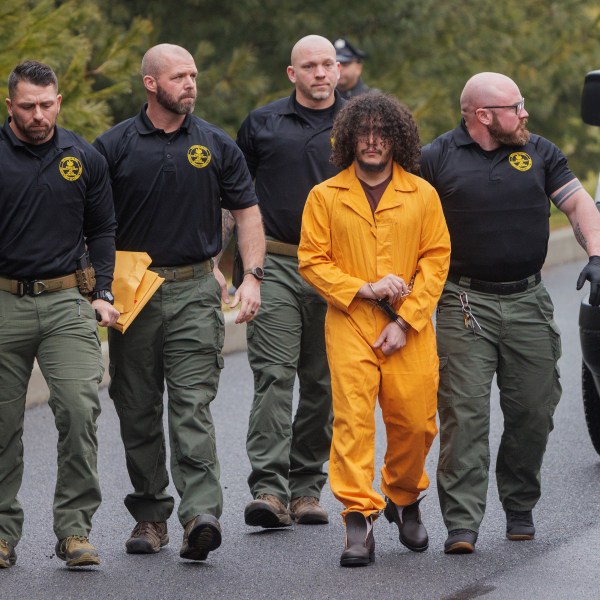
487 89
314 71
311 44
156 59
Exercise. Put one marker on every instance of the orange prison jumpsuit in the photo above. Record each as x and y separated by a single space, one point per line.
344 245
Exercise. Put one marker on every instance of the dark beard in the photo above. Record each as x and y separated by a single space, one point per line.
370 167
33 135
177 107
516 138
38 135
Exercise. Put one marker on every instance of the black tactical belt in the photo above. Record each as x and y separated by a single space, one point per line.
35 287
184 272
495 287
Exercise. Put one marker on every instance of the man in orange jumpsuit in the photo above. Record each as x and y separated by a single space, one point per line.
376 232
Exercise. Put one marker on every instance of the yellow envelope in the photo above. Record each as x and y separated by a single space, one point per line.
133 285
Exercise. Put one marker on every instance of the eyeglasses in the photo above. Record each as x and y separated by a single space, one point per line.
519 106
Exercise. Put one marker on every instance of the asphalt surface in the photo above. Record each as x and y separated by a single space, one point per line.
303 562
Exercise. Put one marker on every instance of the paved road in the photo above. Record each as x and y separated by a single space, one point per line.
302 563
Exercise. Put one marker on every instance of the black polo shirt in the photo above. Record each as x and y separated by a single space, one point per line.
169 188
360 88
51 206
287 151
496 203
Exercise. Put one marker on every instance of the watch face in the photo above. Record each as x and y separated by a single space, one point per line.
258 272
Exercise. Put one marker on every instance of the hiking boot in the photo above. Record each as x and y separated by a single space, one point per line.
147 537
267 511
519 525
359 549
408 519
201 535
8 556
306 510
77 551
460 541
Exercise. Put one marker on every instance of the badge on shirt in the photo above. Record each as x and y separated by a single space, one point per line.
70 168
520 161
199 156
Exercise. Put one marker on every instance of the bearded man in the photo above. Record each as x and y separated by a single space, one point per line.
496 181
172 173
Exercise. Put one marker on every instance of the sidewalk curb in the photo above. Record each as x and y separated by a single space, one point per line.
562 248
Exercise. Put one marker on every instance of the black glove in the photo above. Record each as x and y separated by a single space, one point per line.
591 273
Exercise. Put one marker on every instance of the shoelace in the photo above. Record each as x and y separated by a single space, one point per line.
145 528
310 500
79 538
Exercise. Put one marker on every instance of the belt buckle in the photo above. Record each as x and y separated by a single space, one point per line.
41 290
30 288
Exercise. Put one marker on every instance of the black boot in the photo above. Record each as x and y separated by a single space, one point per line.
412 531
519 525
360 545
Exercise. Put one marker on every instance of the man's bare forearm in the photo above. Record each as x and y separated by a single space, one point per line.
251 236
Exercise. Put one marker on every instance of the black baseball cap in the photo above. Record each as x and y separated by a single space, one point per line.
345 52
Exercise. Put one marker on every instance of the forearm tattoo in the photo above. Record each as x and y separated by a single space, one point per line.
561 197
580 237
227 226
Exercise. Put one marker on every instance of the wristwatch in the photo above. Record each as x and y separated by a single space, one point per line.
103 295
258 272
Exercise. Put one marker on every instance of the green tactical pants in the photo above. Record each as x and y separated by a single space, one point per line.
178 337
60 330
520 343
287 338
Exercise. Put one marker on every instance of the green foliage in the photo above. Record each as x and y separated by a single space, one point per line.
94 60
226 95
422 52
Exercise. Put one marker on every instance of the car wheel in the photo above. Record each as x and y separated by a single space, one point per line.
591 405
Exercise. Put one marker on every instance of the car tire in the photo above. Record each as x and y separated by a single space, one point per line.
591 405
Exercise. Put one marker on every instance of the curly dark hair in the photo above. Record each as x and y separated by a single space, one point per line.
381 112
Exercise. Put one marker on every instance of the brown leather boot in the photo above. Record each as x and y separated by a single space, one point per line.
306 510
77 551
359 550
147 537
8 556
408 519
201 535
267 511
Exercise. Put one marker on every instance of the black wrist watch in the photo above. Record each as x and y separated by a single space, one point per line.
103 295
257 272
